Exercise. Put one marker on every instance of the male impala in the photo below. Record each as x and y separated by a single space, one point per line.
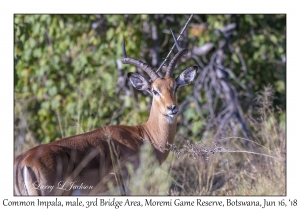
85 163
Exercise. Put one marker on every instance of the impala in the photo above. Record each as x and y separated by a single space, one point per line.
84 164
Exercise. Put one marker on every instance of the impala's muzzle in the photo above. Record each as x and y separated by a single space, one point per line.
172 110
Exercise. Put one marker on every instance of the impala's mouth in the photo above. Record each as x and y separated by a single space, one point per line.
171 114
170 117
174 112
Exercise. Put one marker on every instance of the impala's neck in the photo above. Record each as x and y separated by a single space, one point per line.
160 130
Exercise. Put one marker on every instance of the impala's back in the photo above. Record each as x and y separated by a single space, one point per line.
83 162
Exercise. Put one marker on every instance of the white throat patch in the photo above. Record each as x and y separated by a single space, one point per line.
170 118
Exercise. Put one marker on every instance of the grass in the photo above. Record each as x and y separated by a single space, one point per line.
225 166
217 166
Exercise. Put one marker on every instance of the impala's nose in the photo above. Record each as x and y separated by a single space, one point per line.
172 109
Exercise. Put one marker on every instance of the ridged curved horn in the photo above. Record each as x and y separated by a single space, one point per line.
127 60
181 52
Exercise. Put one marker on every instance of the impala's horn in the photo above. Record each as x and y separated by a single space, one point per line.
140 64
181 52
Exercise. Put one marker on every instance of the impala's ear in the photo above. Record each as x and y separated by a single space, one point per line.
187 76
139 82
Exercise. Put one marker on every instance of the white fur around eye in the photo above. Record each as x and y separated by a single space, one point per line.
156 92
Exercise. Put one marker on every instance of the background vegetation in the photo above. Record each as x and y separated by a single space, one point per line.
69 79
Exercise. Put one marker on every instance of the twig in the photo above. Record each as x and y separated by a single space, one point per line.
161 65
255 153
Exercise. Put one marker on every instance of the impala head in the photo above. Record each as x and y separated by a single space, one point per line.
163 89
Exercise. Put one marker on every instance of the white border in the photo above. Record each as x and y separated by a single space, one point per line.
8 8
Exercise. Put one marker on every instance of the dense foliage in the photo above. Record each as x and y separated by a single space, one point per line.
69 78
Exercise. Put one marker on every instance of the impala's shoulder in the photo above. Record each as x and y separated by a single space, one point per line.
123 132
121 129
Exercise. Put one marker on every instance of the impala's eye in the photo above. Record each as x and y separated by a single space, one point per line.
155 92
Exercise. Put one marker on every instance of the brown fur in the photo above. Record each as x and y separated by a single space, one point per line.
88 158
